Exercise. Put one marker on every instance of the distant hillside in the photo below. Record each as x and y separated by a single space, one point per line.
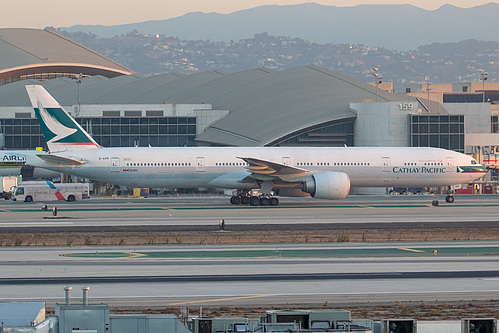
440 63
399 27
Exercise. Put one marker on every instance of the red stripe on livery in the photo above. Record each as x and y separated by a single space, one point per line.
74 143
59 196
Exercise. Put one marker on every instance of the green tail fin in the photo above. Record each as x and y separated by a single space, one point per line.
61 131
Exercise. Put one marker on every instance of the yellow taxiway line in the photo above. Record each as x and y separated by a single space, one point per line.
219 299
412 250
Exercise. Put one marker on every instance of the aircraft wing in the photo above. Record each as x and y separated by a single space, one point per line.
60 159
262 169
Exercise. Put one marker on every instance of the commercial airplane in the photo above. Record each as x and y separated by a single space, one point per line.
13 163
324 173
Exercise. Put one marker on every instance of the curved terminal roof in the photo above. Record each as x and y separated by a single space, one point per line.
265 106
30 52
283 103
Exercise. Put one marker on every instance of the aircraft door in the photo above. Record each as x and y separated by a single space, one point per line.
286 161
386 164
450 164
115 164
200 166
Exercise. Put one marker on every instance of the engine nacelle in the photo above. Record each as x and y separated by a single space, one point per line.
291 192
328 185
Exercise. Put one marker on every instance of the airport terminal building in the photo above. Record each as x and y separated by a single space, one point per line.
305 106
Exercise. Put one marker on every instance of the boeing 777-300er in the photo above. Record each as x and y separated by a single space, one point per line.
324 173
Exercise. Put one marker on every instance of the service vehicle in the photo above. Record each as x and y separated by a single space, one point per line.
48 191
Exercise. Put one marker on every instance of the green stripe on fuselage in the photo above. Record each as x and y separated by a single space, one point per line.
471 169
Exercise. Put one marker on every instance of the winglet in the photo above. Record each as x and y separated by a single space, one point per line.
61 131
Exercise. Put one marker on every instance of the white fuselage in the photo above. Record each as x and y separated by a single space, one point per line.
222 167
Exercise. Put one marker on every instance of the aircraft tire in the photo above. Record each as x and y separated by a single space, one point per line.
264 201
254 201
237 200
245 200
449 199
274 201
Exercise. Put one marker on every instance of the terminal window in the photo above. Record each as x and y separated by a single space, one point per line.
142 131
333 135
439 131
494 121
109 132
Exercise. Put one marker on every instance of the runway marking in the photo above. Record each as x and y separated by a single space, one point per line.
36 223
344 206
411 250
287 253
220 299
98 254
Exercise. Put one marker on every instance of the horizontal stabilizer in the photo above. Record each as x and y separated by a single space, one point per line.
51 158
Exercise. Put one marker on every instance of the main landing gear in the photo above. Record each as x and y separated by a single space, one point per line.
254 200
449 198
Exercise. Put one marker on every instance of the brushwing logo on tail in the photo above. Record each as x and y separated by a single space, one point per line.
59 130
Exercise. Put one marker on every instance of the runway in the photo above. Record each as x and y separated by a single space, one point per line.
384 211
462 272
253 274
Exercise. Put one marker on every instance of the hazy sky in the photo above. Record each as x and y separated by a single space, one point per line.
65 13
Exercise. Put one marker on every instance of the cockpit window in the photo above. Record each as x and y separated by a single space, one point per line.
474 162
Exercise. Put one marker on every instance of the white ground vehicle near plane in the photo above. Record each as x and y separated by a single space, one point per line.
48 191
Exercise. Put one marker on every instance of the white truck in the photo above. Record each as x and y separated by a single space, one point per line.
48 191
8 184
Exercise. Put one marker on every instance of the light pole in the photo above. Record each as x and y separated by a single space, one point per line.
78 82
377 79
428 88
483 77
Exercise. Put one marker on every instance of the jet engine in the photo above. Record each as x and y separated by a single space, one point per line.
291 192
328 185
